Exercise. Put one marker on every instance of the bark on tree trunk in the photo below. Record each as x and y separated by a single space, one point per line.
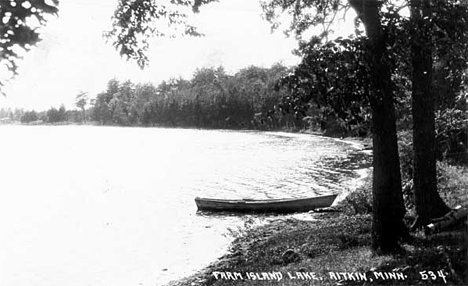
388 207
427 200
84 114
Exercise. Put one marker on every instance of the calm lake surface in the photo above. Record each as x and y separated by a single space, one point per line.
100 206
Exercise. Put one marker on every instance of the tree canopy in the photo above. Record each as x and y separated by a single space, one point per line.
19 31
135 22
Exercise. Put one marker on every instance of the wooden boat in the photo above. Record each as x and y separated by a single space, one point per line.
269 205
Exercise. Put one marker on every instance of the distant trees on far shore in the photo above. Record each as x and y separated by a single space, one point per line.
249 99
252 98
52 115
211 99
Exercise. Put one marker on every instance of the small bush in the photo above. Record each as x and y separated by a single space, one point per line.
349 241
453 183
405 149
452 135
360 201
239 231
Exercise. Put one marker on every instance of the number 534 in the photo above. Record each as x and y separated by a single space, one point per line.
426 275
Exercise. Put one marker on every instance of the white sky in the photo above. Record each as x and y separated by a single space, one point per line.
73 56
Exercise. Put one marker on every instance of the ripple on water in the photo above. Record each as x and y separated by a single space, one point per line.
83 205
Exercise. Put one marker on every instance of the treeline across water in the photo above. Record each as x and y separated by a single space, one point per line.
53 116
252 98
211 99
248 99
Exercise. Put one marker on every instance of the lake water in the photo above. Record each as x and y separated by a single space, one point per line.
99 206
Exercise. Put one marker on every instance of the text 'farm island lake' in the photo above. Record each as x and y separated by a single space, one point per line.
84 205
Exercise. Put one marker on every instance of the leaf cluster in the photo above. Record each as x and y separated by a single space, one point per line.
304 14
17 34
334 74
82 100
55 115
452 134
136 21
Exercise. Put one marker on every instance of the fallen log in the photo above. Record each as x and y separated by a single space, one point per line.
454 216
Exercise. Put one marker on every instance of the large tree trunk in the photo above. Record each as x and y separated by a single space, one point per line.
427 200
388 207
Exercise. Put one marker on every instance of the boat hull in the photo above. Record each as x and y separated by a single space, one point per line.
274 205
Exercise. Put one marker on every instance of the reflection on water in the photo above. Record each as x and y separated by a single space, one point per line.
84 205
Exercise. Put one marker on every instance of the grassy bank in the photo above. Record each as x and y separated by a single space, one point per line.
334 249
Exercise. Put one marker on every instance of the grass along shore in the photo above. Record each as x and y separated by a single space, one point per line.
334 249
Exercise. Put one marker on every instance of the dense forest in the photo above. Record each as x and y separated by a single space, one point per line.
211 99
252 98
